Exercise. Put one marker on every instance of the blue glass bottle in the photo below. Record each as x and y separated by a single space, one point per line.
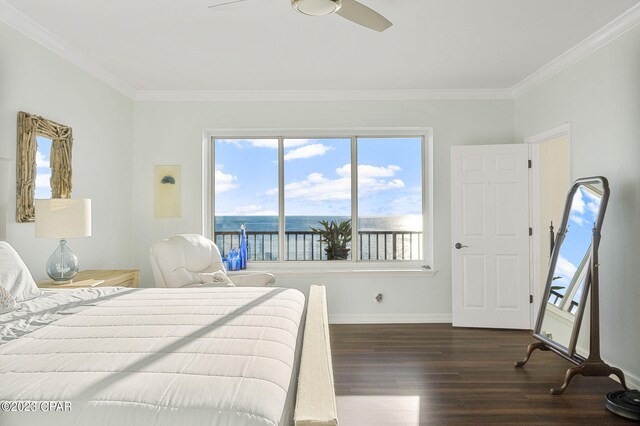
243 247
233 261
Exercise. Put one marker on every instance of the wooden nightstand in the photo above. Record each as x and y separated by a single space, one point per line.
97 278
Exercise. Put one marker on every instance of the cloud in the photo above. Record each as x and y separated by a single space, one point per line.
292 143
368 178
577 204
253 143
577 219
43 180
263 143
366 171
593 202
224 182
564 269
307 151
411 204
248 210
584 207
41 161
317 187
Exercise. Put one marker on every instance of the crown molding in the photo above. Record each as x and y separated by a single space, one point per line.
614 29
36 32
317 95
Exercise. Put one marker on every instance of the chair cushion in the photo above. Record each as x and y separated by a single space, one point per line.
181 259
218 278
197 250
14 275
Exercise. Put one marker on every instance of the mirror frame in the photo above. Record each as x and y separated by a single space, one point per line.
29 127
569 351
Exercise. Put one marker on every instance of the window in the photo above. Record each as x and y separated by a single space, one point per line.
390 198
369 191
317 187
246 192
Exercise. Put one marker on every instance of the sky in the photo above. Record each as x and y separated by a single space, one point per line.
317 176
43 169
582 216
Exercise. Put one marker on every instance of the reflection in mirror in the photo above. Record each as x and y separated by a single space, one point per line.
567 292
43 163
43 167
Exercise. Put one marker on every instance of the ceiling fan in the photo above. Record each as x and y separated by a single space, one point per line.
352 10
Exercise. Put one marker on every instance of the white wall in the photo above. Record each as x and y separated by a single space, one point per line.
34 80
171 133
600 96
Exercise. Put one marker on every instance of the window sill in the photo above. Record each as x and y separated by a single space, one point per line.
339 269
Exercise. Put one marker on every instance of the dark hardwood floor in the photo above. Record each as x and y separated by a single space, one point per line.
414 374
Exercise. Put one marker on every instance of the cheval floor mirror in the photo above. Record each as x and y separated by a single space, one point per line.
565 295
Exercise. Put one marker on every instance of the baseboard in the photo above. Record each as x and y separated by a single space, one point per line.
388 318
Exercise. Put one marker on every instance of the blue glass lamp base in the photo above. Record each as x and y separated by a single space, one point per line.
62 264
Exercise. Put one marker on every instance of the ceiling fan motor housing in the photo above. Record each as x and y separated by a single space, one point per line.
316 7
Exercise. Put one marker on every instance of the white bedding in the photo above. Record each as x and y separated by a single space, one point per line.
52 305
215 356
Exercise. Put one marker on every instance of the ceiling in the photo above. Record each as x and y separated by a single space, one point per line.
167 45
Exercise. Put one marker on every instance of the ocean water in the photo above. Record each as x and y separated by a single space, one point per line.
302 223
308 247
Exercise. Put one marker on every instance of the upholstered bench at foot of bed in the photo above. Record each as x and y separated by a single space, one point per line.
316 399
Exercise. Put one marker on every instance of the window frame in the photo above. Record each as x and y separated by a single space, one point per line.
422 266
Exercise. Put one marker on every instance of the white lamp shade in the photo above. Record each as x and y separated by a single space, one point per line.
63 218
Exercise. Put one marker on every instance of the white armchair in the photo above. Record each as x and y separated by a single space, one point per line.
190 259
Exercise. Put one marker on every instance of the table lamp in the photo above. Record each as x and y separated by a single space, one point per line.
63 218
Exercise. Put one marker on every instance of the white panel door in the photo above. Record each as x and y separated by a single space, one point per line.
490 236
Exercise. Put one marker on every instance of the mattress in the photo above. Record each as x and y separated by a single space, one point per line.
214 356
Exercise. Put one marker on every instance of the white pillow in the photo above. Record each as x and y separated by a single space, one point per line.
7 302
218 278
15 276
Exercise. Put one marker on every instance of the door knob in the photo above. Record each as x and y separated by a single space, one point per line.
459 246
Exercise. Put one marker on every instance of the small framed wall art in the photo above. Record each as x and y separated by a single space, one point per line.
168 184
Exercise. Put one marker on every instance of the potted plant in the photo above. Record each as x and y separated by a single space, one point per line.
336 236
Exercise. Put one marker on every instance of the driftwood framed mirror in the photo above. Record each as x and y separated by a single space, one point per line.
573 274
43 163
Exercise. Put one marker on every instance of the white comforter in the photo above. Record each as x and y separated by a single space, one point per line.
215 356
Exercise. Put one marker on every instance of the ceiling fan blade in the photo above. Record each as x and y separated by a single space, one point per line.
362 15
229 3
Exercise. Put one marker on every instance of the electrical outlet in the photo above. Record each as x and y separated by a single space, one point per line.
378 298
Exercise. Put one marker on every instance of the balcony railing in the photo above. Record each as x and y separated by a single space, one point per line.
306 245
556 298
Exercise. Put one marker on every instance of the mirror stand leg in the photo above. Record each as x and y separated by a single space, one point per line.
590 368
532 347
567 378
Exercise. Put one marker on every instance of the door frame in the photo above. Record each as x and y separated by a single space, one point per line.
534 142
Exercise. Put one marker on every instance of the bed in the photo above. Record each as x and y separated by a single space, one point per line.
190 356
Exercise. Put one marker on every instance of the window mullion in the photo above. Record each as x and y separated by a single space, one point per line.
281 224
355 246
427 200
210 187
